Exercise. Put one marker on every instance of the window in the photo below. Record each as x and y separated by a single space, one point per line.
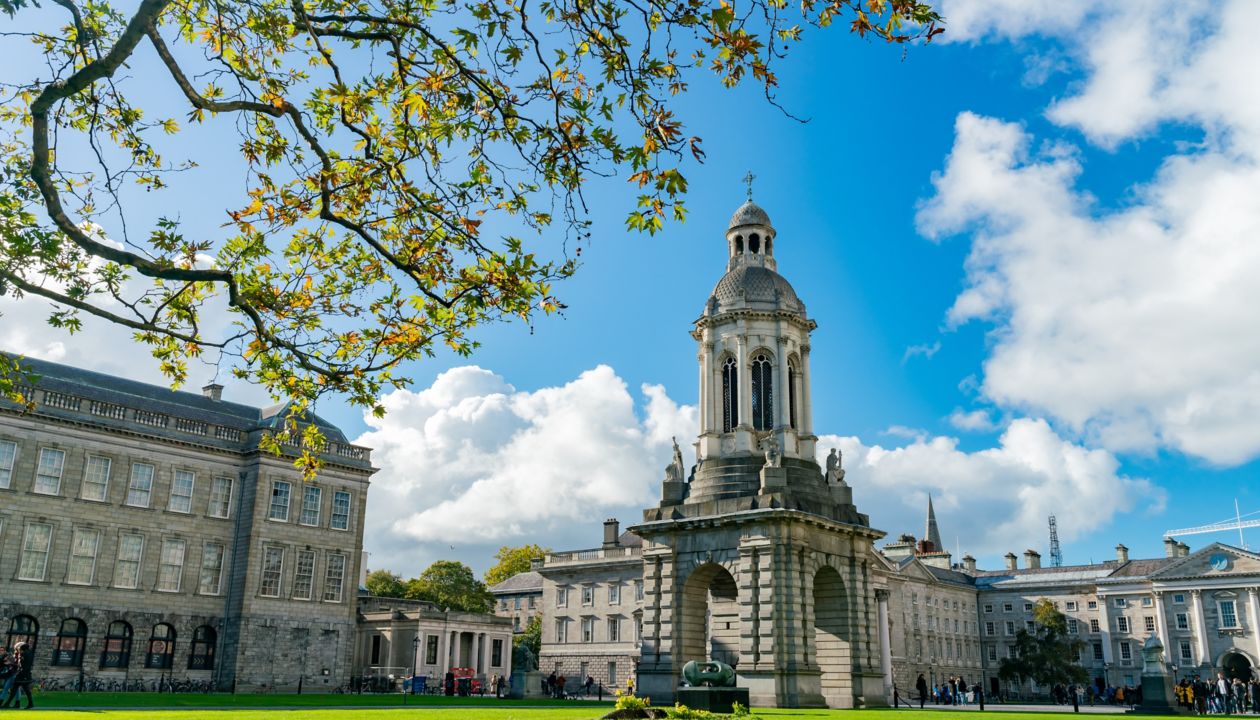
117 650
1187 655
48 473
730 394
1183 621
1010 627
993 653
638 590
1007 607
1122 624
612 674
614 629
8 456
141 486
201 656
1010 651
304 577
161 655
220 497
562 630
311 498
127 567
1119 602
1092 605
1179 598
1071 605
562 596
1126 652
23 628
1148 602
96 479
1148 623
614 593
68 652
1028 625
83 546
1229 617
762 393
35 546
376 649
989 629
334 577
1072 627
273 565
496 653
279 509
588 629
171 566
988 608
430 649
588 594
1094 627
211 569
340 511
516 602
182 492
1028 607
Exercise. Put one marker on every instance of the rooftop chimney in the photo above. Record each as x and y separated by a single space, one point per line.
1122 554
536 563
969 564
1012 562
1032 559
612 531
1182 549
214 391
1170 547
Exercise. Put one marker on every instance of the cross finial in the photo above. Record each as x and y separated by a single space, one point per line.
748 179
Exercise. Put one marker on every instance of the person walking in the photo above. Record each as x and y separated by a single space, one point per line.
21 680
7 671
921 686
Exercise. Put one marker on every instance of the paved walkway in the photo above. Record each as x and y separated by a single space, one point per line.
1035 708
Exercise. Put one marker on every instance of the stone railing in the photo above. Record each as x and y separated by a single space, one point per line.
154 419
196 427
61 401
109 410
350 452
577 556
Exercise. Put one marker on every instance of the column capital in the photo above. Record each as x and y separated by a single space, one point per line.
1196 592
881 594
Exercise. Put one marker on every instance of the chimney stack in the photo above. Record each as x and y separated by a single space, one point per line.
612 531
1170 547
1122 554
1012 562
536 563
1032 559
969 564
1182 549
214 391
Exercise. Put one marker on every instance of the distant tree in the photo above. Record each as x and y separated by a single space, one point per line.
383 583
513 561
451 584
531 636
1048 655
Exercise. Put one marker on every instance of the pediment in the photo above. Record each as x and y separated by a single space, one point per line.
1215 560
915 569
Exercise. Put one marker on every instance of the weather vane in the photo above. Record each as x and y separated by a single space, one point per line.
748 179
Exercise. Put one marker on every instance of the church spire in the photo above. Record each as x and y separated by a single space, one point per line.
932 533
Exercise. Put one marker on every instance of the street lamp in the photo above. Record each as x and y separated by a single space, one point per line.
415 661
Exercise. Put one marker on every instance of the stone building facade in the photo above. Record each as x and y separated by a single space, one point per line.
145 534
519 598
398 637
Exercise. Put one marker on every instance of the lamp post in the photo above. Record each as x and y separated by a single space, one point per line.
415 660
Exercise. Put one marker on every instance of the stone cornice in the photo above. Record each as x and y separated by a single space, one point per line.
776 515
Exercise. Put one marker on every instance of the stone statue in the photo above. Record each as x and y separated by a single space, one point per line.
835 473
675 471
774 454
523 659
709 674
1153 656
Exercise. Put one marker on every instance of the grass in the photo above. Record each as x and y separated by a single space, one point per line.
271 700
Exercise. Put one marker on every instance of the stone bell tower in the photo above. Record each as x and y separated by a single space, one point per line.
756 557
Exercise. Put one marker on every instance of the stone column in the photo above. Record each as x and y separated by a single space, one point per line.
1200 628
444 655
745 383
781 393
885 642
1105 632
1161 626
706 391
481 653
1253 609
805 400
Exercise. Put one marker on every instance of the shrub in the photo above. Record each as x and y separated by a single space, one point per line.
627 701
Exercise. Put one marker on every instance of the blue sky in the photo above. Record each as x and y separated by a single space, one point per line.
1005 224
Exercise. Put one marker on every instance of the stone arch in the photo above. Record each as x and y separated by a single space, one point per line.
1236 663
832 642
709 618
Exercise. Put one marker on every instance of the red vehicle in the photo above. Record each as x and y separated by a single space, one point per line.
466 677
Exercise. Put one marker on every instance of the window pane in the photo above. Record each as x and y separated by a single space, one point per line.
311 497
82 557
273 564
334 578
171 566
35 546
341 511
48 474
141 487
220 497
8 455
279 501
211 569
96 478
182 491
304 578
127 569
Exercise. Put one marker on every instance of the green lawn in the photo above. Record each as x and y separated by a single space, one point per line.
228 700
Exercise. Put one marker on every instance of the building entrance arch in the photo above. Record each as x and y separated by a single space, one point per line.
710 616
1236 665
832 645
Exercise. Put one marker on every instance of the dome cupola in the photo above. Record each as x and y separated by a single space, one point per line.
750 237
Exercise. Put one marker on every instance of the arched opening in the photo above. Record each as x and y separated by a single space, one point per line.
117 650
754 243
23 628
1236 665
762 393
71 638
710 617
201 657
730 394
831 643
161 653
739 244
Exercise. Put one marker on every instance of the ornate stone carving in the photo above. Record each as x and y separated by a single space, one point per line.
774 453
835 469
675 471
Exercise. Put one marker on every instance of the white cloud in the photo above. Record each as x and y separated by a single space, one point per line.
974 421
1133 325
472 462
1013 487
925 350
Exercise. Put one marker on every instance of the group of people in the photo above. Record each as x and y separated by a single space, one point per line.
954 691
1221 696
15 676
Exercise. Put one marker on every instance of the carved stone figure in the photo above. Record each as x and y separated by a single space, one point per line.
835 473
675 471
774 454
523 659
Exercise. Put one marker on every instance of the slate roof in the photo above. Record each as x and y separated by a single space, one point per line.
521 582
1141 568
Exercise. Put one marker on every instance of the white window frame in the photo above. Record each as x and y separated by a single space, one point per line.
1119 602
1071 606
165 571
1181 621
1073 627
204 579
271 500
304 575
1122 624
134 490
614 593
336 579
8 460
215 503
989 628
1148 623
1126 652
75 536
1148 601
176 478
1095 626
1233 610
614 629
318 494
588 595
333 514
562 630
562 596
1186 651
1091 605
41 475
263 572
138 561
88 480
28 539
988 608
588 629
1179 598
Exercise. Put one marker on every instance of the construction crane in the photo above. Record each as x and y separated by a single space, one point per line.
1056 552
1237 523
